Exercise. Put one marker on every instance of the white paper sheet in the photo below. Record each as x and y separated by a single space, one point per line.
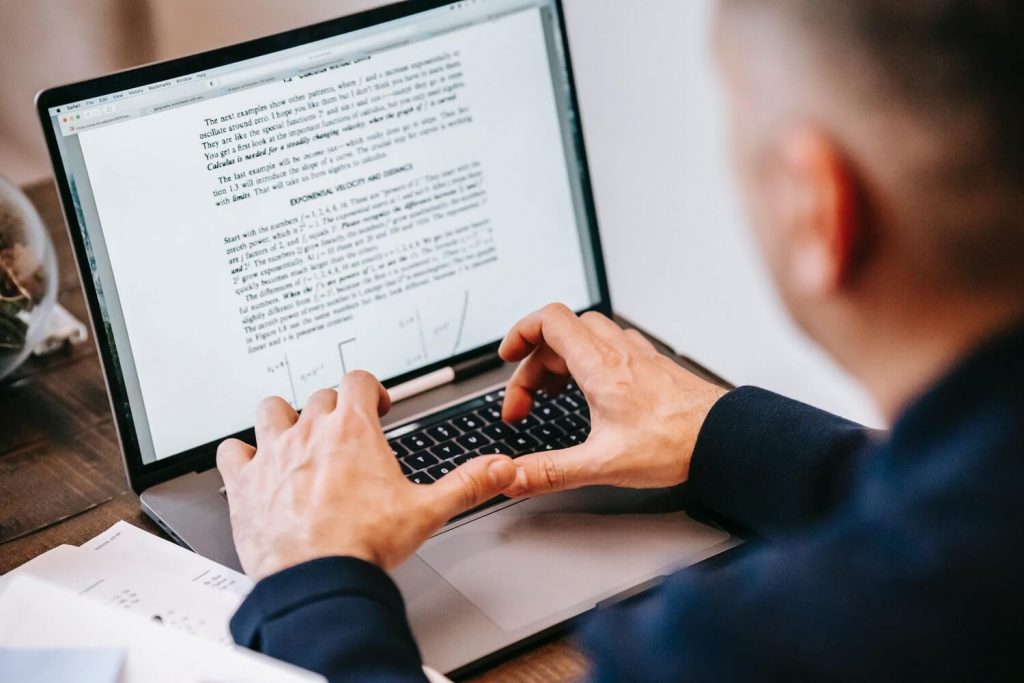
37 614
136 588
132 544
126 569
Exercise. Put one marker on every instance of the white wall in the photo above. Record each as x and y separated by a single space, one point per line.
681 262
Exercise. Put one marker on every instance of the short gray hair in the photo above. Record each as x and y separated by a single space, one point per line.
960 65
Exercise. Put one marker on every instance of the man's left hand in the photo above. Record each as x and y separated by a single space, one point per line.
326 483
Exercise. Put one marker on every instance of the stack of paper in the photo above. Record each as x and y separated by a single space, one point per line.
162 609
127 607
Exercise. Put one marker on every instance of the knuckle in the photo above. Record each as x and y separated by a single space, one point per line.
551 473
324 394
557 309
594 316
471 489
645 344
222 459
610 354
360 376
267 405
225 449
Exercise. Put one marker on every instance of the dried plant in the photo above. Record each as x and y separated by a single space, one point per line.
22 282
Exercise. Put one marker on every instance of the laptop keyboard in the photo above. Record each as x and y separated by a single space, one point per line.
450 438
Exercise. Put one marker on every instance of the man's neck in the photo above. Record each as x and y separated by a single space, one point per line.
902 359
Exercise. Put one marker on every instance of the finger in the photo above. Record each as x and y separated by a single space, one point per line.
640 342
320 403
469 486
232 456
550 471
603 327
273 416
540 369
557 327
610 339
361 393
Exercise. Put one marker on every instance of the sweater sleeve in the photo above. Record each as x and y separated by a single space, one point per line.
769 464
338 616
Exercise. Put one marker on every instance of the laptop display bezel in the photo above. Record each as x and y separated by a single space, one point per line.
142 475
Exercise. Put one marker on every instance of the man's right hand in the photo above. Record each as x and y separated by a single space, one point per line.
646 411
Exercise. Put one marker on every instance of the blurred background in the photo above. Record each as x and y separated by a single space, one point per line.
680 261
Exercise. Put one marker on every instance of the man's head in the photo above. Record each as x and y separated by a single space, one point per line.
880 146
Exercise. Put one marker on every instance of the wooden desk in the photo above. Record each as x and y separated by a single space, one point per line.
61 478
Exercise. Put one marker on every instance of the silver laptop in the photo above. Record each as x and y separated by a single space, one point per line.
388 191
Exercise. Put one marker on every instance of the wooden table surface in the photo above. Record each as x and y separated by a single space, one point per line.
61 477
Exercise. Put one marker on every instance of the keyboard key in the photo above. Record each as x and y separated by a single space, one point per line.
421 478
416 442
421 460
472 441
443 432
468 423
406 470
494 449
522 443
490 414
530 422
460 460
447 451
572 423
546 433
548 412
438 471
499 431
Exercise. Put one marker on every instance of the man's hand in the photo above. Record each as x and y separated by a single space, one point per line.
646 411
326 483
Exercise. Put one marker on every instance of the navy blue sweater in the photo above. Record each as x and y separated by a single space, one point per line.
876 556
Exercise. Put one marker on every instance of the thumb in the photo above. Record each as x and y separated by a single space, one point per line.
550 471
471 485
232 456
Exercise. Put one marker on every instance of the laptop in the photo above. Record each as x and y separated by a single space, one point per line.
387 191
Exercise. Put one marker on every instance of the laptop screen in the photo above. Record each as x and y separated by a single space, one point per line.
387 199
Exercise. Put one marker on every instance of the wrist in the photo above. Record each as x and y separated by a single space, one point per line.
275 562
696 418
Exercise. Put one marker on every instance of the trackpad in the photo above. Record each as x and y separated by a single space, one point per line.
544 557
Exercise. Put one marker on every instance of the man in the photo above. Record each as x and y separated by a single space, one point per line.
879 147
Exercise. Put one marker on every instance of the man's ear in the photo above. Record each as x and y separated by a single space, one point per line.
819 201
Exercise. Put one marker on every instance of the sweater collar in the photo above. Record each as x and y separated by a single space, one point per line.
992 373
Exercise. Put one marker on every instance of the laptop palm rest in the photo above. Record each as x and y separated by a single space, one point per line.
499 578
541 562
